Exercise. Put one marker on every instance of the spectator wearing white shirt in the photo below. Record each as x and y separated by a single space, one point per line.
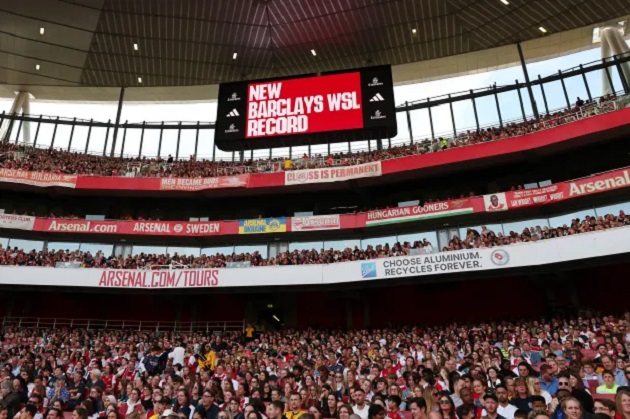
177 355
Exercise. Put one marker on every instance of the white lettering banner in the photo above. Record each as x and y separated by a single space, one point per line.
332 174
582 246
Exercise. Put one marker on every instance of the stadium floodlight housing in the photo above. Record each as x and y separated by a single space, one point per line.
234 56
414 31
42 30
139 79
37 67
542 29
506 2
314 53
135 47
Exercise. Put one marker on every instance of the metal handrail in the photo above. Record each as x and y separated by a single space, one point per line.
138 325
136 168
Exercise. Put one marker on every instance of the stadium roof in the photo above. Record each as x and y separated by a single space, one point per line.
160 43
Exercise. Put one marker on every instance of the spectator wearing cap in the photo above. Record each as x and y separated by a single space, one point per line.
491 404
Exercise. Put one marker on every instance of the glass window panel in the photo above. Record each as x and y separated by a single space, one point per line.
342 244
510 107
62 137
27 245
129 142
106 249
186 251
280 152
97 140
158 250
464 116
487 111
613 209
431 237
496 228
306 246
187 144
339 148
63 246
100 111
169 143
377 241
357 146
225 250
561 220
206 144
260 248
442 122
575 89
79 138
151 141
420 124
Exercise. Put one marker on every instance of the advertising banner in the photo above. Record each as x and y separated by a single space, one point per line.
41 179
332 174
561 191
200 184
316 222
559 250
140 228
18 222
263 225
416 213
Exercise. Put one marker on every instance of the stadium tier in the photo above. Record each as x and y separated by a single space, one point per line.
337 242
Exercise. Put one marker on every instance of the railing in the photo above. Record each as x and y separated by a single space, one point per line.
160 169
102 132
137 325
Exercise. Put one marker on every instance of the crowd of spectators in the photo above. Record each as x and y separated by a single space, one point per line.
20 157
555 368
473 239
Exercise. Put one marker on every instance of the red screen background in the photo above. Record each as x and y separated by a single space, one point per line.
322 85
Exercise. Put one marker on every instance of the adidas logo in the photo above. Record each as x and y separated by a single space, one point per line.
234 112
377 98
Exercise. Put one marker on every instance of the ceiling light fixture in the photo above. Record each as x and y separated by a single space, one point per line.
414 31
506 2
314 53
234 56
42 30
37 67
276 317
135 47
139 79
542 29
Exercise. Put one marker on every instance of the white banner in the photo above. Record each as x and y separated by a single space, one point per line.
582 246
18 222
316 222
332 174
